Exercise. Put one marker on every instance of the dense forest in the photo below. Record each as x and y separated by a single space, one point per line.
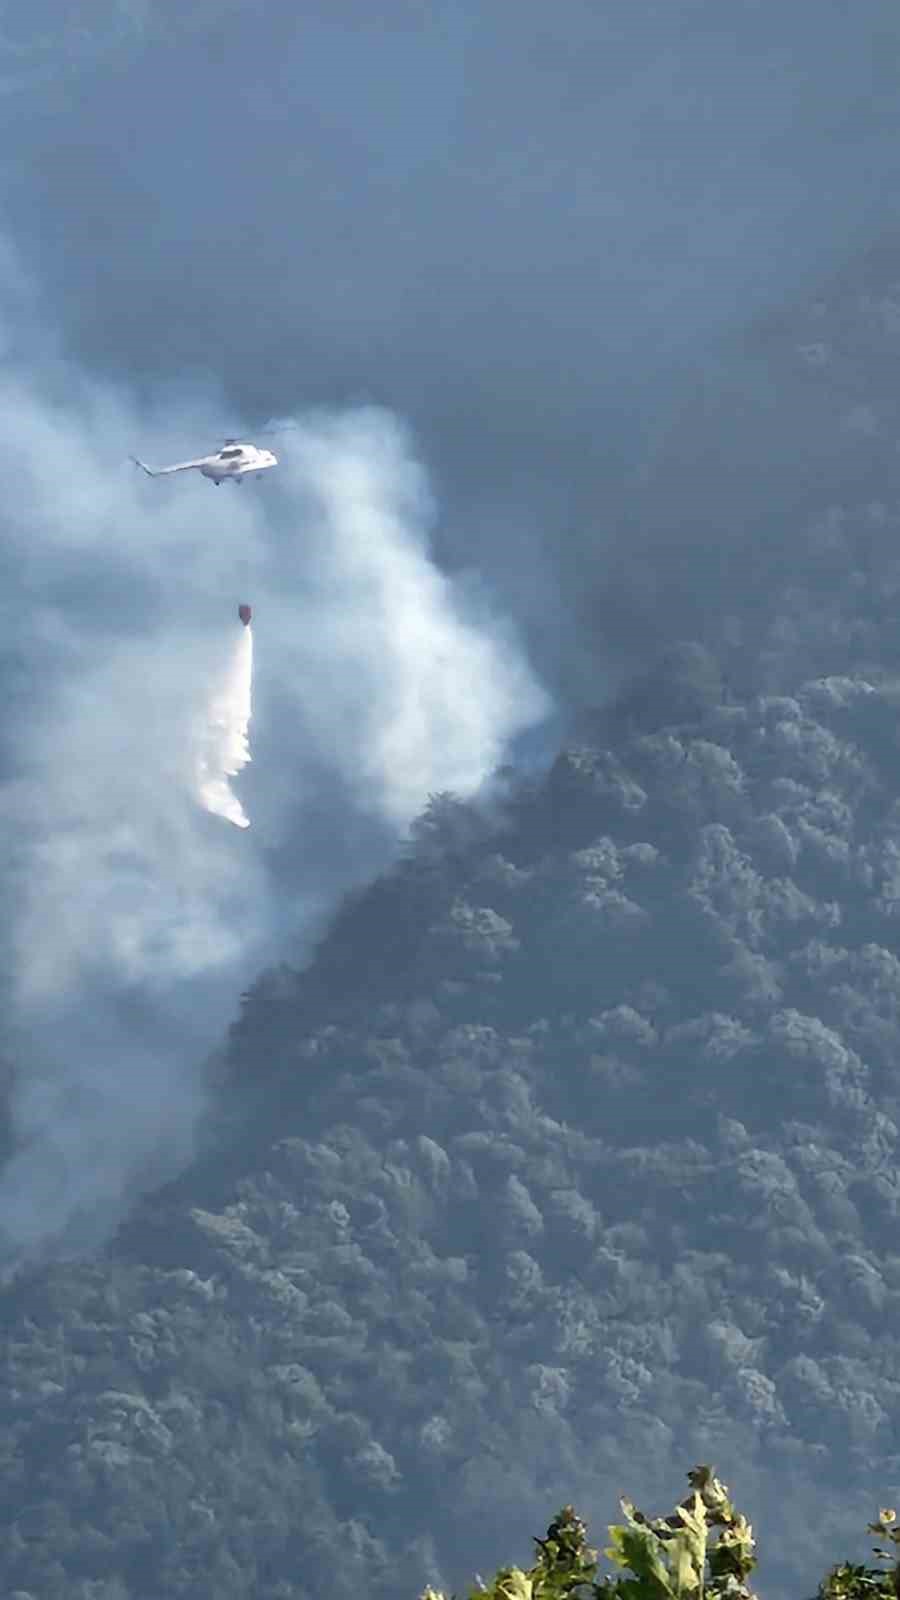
570 1156
575 1146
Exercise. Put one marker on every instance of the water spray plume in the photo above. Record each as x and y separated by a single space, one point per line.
224 748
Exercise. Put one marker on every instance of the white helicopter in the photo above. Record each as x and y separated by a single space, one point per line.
234 461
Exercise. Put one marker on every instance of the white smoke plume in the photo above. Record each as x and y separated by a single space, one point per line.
223 748
426 684
133 918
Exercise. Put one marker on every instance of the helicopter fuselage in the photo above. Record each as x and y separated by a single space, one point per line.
235 461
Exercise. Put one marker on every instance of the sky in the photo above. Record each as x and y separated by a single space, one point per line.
501 266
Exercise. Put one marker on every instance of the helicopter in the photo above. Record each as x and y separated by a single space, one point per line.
235 461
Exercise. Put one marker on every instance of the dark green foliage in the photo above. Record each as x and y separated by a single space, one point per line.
684 686
575 1146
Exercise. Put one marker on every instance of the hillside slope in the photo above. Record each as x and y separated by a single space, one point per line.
574 1148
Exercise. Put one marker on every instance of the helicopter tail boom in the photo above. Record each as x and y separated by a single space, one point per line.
158 472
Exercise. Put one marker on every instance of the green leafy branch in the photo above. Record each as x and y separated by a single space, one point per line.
851 1582
703 1551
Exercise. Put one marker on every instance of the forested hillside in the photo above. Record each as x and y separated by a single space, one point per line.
564 1152
572 1155
575 1148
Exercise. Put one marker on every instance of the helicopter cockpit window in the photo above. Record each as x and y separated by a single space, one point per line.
227 455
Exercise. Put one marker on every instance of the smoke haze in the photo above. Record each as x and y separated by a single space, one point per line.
548 290
548 246
133 916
